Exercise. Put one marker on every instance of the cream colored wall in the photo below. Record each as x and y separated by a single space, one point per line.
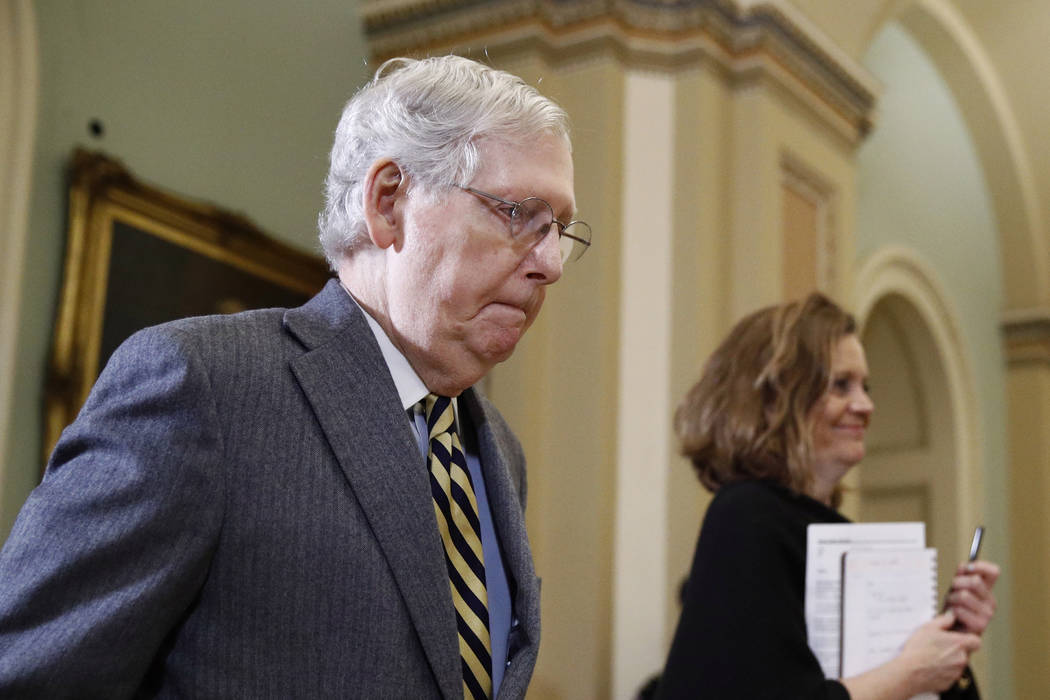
18 103
699 273
1029 405
232 102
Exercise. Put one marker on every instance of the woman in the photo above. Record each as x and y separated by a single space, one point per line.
775 422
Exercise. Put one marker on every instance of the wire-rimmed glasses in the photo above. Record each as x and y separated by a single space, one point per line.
531 219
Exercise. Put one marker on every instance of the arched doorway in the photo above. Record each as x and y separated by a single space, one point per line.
909 472
925 459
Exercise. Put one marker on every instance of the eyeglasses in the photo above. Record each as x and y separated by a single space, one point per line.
530 220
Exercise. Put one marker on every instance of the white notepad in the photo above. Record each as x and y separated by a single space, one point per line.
886 595
825 545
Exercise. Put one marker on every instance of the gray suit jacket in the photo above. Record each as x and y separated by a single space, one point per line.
241 510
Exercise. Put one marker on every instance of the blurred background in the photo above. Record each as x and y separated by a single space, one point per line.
729 154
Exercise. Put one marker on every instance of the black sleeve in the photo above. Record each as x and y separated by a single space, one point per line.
742 632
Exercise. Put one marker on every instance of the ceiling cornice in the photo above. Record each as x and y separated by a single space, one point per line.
747 40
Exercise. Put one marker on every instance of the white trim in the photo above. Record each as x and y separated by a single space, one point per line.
899 270
643 451
18 105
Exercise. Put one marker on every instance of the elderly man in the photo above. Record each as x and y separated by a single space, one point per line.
314 502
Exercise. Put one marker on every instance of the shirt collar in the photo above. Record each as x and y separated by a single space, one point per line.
410 388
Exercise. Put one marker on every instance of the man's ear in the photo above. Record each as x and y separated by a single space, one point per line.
384 194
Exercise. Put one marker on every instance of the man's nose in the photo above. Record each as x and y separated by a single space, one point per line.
544 259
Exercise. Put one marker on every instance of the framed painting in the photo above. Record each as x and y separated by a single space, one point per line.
137 256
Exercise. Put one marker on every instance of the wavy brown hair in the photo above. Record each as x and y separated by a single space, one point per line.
747 417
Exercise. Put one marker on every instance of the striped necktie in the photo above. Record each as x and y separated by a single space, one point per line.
456 509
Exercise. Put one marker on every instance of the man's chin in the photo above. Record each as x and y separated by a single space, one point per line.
500 346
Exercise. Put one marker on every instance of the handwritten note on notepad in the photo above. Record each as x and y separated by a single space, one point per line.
886 595
825 545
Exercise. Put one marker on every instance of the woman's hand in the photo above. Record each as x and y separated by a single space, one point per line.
935 656
932 659
971 597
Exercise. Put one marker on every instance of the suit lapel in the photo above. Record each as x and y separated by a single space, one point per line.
347 383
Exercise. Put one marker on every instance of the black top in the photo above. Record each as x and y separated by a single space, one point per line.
742 633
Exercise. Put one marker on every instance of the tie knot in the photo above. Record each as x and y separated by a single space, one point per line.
439 414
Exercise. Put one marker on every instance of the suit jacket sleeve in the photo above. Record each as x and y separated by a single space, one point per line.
110 549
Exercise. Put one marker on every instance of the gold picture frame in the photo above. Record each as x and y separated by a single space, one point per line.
137 256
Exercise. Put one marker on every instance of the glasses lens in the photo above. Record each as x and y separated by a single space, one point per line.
575 240
532 219
567 246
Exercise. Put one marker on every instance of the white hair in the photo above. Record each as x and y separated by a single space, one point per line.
427 116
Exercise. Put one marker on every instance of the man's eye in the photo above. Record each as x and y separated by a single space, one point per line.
507 210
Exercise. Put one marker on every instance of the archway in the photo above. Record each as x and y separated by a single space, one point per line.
953 47
909 471
963 211
925 460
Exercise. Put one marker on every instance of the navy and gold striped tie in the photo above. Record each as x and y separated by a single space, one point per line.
456 509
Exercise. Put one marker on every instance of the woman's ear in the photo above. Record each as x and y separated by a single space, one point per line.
384 193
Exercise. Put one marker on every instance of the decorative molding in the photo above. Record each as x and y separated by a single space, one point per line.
806 181
1026 336
747 41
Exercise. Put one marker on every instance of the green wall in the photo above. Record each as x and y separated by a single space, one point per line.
229 101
